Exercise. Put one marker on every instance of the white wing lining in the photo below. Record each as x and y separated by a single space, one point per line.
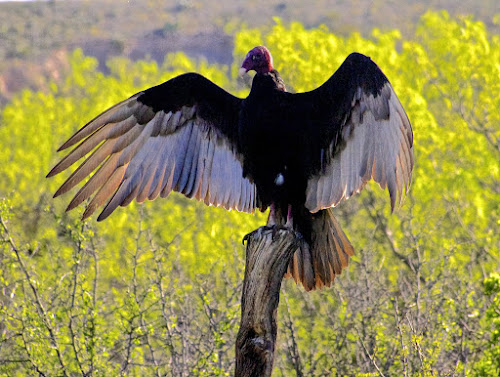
378 144
174 151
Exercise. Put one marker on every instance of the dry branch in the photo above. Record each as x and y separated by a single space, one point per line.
267 256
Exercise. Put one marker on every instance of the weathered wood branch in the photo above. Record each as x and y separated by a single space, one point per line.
267 256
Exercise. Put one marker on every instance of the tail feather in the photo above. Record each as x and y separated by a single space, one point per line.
323 254
301 265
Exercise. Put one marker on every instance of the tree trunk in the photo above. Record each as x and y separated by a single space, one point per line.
267 256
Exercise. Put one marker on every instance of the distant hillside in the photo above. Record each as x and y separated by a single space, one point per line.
31 32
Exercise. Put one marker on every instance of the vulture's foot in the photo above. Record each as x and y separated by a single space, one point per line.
257 232
274 229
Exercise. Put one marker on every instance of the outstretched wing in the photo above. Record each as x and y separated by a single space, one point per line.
177 136
365 134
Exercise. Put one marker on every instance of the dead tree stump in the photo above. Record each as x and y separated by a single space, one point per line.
267 256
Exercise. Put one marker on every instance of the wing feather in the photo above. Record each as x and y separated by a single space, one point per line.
88 166
161 173
194 172
97 180
117 113
178 136
148 172
371 138
195 175
208 167
82 149
217 169
102 195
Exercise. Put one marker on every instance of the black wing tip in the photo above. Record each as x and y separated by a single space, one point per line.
86 214
74 139
66 145
51 173
103 216
358 56
70 207
363 72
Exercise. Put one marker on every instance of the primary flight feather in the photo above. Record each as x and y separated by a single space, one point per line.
298 153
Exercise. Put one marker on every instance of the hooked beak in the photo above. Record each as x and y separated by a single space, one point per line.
242 71
246 66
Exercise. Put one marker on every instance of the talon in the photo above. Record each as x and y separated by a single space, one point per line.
257 231
246 237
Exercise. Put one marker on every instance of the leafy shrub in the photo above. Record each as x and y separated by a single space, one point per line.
155 288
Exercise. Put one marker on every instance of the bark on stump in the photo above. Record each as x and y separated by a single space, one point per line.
267 256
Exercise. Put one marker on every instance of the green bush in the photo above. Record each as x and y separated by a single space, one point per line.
155 289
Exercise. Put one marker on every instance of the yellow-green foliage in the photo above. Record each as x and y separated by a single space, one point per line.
155 288
489 364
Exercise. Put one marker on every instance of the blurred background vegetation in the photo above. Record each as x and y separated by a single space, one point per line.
155 289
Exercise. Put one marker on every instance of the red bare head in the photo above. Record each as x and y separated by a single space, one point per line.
258 59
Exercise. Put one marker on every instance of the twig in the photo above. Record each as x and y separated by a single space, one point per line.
72 305
372 359
38 301
293 347
381 220
401 338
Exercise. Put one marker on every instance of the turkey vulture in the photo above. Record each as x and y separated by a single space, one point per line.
298 153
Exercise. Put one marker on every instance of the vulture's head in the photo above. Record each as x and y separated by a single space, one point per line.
258 59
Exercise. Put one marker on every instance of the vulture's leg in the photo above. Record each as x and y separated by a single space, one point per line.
289 218
271 219
271 224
